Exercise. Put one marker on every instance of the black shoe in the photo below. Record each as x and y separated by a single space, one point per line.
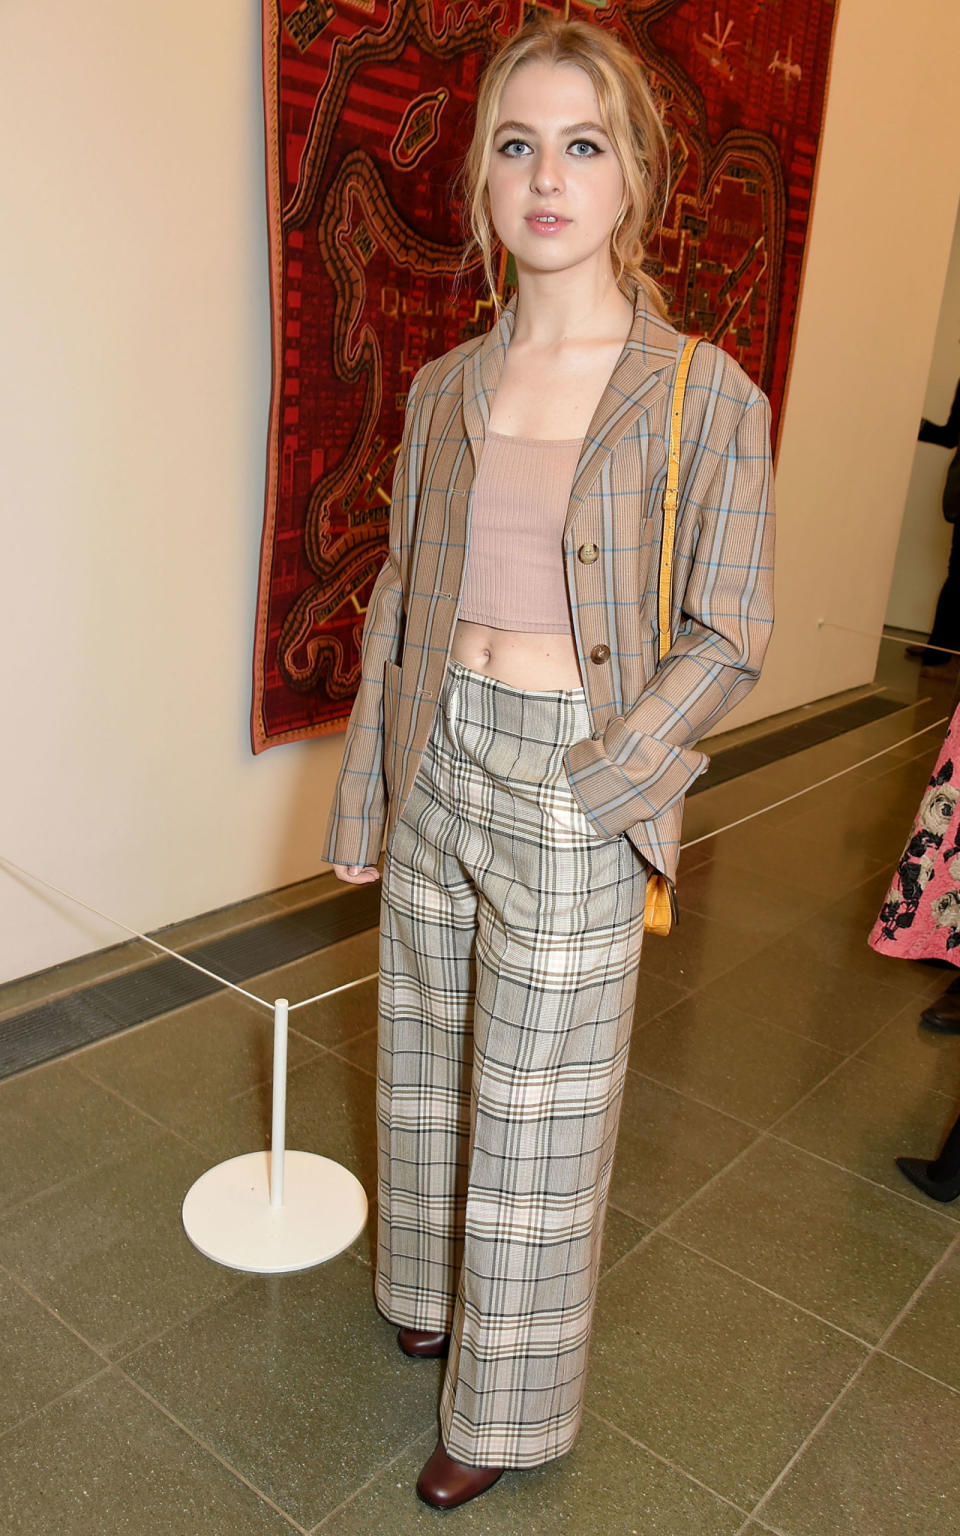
941 1178
918 1172
943 1016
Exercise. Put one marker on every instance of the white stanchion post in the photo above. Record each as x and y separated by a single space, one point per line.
278 1132
277 1211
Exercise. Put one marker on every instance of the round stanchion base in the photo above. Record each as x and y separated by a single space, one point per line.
227 1213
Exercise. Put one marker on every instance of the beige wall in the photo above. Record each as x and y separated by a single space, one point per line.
924 547
886 200
135 365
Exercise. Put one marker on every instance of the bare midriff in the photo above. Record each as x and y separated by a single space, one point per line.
521 658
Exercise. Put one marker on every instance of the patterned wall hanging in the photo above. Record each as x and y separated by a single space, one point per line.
369 105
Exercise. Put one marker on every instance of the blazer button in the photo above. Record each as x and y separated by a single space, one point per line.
600 654
587 553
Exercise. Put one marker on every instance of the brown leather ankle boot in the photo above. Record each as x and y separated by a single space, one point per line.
446 1483
420 1345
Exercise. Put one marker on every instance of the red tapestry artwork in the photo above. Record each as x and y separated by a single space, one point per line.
369 107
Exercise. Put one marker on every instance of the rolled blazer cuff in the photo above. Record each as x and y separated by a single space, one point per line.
624 777
356 838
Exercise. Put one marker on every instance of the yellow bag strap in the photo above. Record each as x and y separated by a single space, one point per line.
672 491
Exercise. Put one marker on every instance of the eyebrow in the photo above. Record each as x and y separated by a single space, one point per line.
566 133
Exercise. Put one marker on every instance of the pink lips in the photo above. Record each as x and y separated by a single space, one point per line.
541 226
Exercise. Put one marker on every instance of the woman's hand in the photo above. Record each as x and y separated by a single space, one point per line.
356 874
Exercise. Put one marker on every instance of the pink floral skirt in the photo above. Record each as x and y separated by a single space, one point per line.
920 917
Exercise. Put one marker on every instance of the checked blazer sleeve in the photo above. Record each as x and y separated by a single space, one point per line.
358 814
645 759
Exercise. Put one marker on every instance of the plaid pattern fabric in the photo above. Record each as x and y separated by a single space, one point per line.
637 756
510 939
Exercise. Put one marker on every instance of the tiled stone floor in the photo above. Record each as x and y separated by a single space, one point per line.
776 1345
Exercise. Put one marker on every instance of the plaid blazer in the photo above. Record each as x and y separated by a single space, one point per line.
630 775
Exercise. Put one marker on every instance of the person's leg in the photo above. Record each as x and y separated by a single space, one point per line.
943 1016
560 926
424 1059
947 1165
946 623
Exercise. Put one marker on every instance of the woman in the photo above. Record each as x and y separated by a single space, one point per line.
526 756
920 920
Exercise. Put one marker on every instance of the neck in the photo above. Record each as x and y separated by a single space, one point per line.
554 308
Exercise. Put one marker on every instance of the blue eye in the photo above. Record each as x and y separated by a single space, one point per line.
587 144
511 145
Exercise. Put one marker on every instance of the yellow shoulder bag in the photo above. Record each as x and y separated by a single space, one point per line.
660 912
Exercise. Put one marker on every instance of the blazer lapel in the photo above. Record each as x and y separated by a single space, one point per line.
633 388
482 376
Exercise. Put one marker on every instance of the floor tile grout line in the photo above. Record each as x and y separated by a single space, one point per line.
878 1348
740 1119
850 1056
345 1503
367 1071
917 1370
766 943
662 1229
875 1066
685 994
49 1308
752 1524
209 1450
762 1132
654 1231
293 1068
61 1397
665 1461
864 1178
758 1285
100 1165
244 1280
131 1104
811 1435
680 1093
827 965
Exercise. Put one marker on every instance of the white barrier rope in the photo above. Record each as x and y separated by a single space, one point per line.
360 980
819 785
133 931
897 639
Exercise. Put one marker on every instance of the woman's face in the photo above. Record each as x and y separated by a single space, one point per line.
554 182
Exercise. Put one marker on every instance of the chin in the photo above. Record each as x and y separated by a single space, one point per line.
538 260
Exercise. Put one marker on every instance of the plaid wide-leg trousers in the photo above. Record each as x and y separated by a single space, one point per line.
510 938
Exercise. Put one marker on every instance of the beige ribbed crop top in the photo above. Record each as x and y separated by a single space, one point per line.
514 576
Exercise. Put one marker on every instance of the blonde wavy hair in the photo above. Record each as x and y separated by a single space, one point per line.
630 118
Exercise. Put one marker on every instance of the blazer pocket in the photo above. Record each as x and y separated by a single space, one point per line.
391 699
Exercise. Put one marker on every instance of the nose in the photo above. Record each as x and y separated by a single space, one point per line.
547 175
